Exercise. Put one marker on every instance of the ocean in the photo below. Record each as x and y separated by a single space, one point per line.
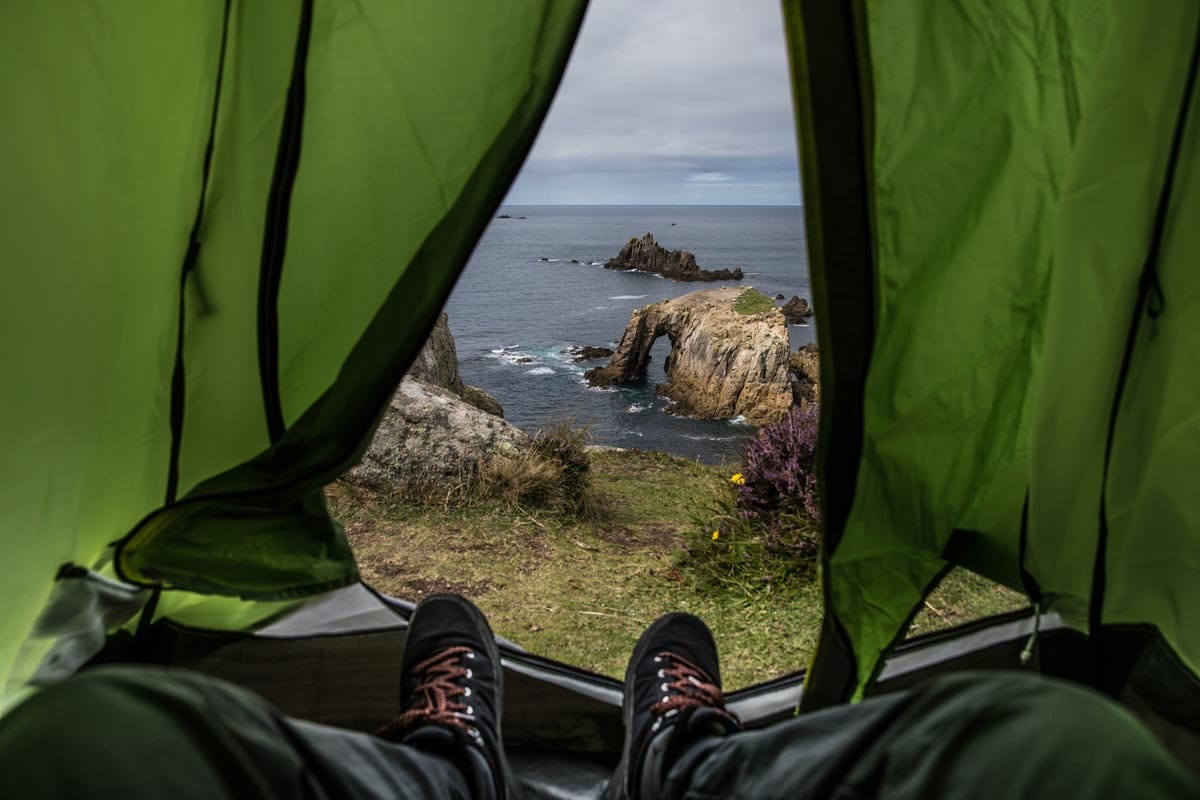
515 316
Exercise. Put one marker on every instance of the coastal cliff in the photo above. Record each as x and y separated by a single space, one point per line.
647 255
437 365
436 427
804 365
729 357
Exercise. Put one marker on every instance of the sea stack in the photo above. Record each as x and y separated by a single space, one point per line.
647 255
796 310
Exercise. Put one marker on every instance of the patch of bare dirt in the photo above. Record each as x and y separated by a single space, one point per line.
417 588
651 535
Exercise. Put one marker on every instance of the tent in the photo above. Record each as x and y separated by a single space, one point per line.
229 225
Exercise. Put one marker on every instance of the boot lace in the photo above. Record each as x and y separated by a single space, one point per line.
438 685
685 686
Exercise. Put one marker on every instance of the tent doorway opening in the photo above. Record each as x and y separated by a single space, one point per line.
702 156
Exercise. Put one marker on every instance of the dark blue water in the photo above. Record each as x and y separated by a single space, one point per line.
514 317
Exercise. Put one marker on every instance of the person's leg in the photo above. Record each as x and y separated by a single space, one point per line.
149 732
1002 735
963 736
136 732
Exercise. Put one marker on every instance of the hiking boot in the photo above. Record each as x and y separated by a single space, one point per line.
672 700
451 685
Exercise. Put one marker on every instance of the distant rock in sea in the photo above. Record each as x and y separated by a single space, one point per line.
590 353
796 310
503 216
724 363
647 255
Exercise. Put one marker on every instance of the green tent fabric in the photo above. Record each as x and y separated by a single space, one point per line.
1000 167
230 224
228 227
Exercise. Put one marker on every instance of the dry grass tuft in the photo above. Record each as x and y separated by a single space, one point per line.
554 474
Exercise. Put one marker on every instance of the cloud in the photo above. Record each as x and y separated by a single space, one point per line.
663 102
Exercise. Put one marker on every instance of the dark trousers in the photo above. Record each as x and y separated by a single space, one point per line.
973 735
136 732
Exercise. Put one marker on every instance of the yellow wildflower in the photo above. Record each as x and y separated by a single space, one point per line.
738 478
716 535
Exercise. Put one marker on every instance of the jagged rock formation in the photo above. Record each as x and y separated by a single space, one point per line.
723 364
437 364
647 255
436 427
804 368
796 310
429 436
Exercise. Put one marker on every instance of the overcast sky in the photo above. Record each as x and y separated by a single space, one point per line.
670 102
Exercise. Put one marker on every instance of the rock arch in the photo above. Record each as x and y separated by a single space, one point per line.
723 363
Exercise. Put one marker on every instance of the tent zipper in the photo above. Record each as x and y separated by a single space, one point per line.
275 232
190 259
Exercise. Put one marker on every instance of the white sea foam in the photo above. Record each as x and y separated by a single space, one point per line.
566 360
540 371
738 420
628 297
695 438
636 409
511 355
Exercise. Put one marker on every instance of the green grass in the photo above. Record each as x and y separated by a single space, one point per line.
752 301
582 591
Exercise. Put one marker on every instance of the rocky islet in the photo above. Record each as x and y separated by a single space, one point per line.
647 255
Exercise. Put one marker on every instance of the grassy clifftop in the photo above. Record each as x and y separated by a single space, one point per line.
582 591
752 301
